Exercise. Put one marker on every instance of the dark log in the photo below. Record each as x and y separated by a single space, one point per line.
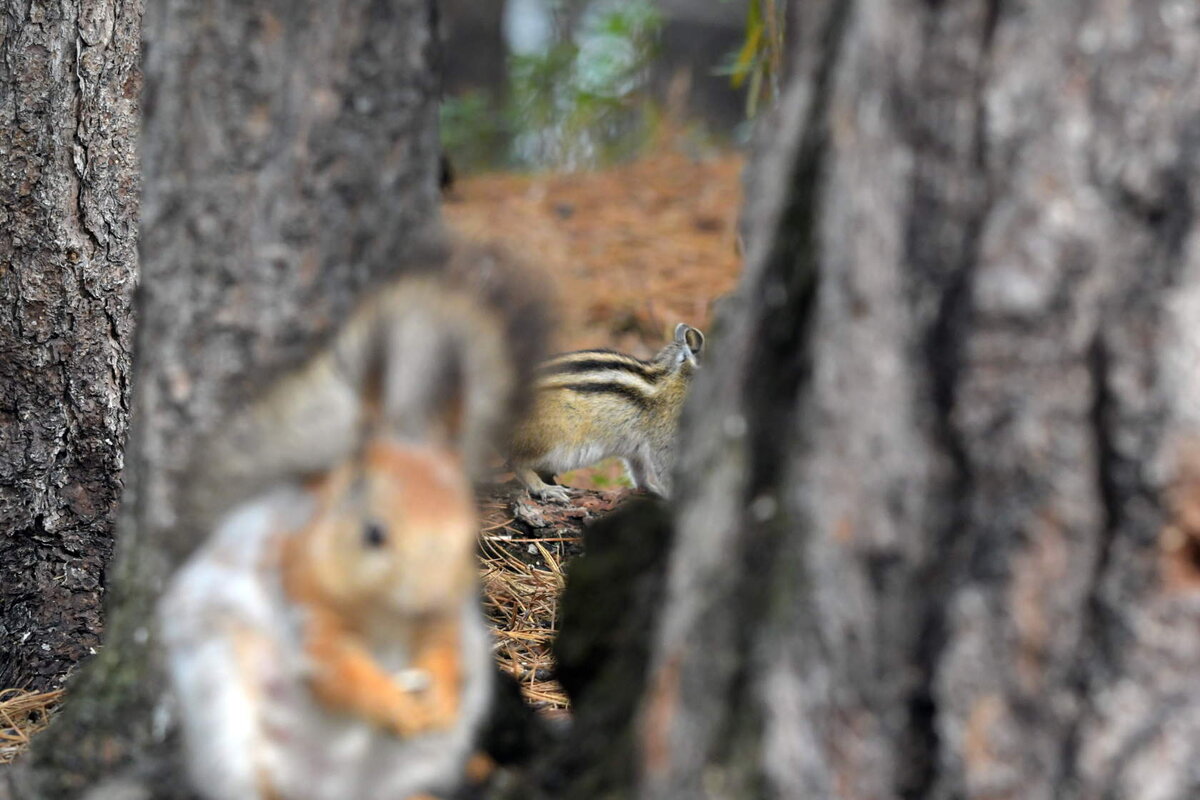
615 585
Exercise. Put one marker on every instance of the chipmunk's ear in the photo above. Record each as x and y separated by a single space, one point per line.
691 337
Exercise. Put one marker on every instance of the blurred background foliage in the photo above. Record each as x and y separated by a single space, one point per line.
575 84
758 65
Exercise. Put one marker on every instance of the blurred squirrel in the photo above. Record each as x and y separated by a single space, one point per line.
592 404
327 641
477 330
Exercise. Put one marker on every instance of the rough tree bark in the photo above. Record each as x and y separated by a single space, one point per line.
69 88
938 531
289 154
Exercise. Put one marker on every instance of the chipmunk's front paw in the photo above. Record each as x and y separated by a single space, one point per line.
554 494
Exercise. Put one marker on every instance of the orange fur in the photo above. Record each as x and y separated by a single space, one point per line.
347 678
418 496
480 767
438 657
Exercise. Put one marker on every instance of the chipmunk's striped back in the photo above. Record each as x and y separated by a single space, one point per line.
602 372
584 361
592 404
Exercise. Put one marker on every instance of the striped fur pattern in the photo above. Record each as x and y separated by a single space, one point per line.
594 404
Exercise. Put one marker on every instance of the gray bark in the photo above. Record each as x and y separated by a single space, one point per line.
937 530
69 90
289 156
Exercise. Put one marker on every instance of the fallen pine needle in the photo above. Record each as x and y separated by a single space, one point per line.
22 714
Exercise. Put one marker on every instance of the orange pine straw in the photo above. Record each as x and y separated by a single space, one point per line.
23 714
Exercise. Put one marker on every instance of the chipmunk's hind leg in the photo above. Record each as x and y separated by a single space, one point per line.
645 475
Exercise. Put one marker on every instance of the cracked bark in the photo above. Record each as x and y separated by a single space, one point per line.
288 153
69 87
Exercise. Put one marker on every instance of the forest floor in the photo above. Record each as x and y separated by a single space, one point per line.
629 251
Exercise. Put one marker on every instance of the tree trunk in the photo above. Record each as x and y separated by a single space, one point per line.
938 530
289 153
69 86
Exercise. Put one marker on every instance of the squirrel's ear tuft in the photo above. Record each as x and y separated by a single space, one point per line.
371 390
448 393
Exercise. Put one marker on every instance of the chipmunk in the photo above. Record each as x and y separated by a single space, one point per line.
592 404
327 640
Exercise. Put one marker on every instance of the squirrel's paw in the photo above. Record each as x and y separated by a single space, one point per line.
420 718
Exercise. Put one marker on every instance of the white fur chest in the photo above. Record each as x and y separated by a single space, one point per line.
239 671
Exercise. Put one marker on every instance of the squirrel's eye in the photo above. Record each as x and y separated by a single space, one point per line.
374 535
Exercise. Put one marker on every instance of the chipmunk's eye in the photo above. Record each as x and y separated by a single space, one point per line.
374 535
